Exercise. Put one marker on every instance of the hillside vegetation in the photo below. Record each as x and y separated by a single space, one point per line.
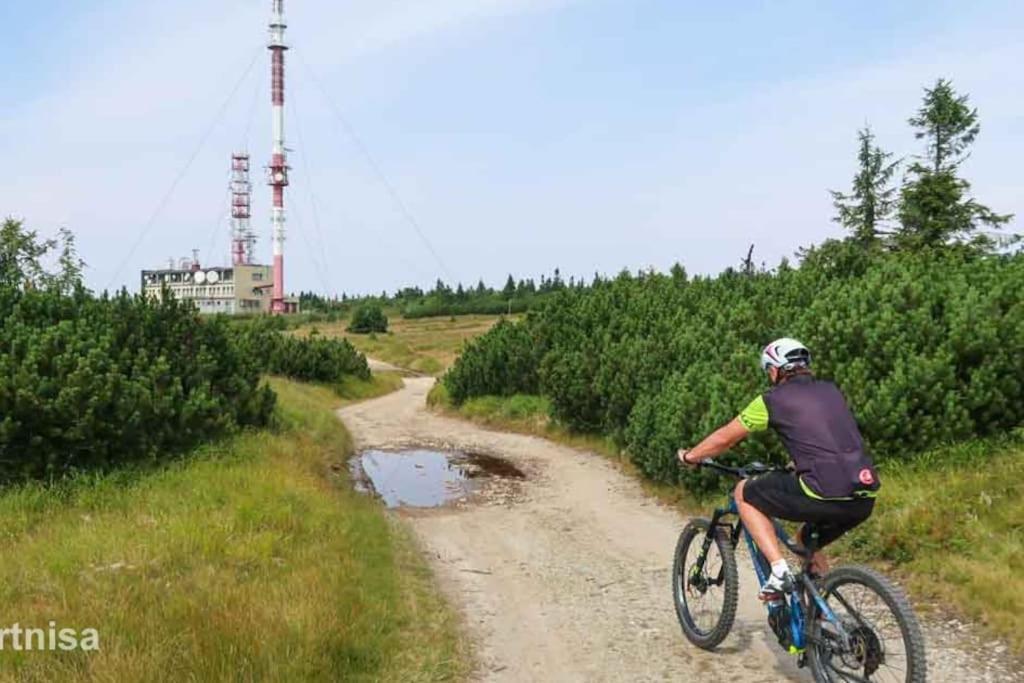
428 345
94 382
251 558
951 523
156 488
442 300
918 316
924 345
920 325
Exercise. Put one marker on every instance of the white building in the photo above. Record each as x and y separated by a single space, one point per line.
227 289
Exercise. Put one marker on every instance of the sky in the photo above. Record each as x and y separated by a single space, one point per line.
468 139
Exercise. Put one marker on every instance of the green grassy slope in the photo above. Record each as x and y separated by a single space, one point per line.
952 525
250 560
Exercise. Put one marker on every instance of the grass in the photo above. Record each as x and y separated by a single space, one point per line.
425 345
352 389
950 524
252 559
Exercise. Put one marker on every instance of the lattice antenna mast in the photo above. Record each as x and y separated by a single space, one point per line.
243 239
278 169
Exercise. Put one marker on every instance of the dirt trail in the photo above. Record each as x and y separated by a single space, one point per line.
569 579
381 366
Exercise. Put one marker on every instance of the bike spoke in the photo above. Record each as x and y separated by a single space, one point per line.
848 676
705 608
880 652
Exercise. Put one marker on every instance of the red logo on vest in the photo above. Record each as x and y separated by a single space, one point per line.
866 477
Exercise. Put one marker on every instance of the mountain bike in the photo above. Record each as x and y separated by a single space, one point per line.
852 624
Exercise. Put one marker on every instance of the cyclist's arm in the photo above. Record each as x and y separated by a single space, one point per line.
754 418
718 442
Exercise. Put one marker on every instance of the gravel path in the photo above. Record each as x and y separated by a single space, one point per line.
566 576
381 366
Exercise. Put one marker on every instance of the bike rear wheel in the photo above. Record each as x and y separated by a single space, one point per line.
885 641
705 593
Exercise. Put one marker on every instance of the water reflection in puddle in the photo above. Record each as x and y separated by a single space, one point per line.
426 478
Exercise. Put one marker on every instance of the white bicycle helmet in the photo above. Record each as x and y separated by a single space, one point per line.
785 354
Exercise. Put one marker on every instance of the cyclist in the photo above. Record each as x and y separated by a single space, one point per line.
834 480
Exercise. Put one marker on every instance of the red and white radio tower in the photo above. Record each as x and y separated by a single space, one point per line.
243 240
279 162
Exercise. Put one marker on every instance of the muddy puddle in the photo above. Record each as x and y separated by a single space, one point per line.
423 478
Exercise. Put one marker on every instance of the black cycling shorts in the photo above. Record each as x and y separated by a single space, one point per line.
778 494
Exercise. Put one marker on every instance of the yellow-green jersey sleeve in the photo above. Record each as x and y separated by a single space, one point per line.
755 416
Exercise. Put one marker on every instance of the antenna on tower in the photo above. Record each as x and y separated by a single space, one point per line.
278 169
243 239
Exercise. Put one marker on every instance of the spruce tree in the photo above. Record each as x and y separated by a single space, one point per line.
871 201
936 207
747 264
21 256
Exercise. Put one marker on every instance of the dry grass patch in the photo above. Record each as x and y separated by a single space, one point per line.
353 389
424 345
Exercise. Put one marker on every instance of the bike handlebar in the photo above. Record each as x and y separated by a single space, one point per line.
744 471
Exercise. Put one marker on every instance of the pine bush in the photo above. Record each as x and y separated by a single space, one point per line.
502 362
368 318
927 347
310 359
90 382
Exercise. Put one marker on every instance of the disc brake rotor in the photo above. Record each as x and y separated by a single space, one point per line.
696 582
865 651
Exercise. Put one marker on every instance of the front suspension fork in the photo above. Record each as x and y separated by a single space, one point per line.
709 538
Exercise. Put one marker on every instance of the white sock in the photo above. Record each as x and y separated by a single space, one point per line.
780 568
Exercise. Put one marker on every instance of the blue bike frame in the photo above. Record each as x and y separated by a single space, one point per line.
797 618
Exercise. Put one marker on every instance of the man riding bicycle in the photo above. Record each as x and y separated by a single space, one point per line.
834 480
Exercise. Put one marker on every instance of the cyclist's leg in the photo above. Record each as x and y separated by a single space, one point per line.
759 525
776 495
819 564
779 495
833 519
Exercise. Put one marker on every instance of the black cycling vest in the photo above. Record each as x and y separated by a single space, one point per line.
822 437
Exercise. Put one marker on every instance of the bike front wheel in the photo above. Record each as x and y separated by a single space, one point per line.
884 641
705 590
